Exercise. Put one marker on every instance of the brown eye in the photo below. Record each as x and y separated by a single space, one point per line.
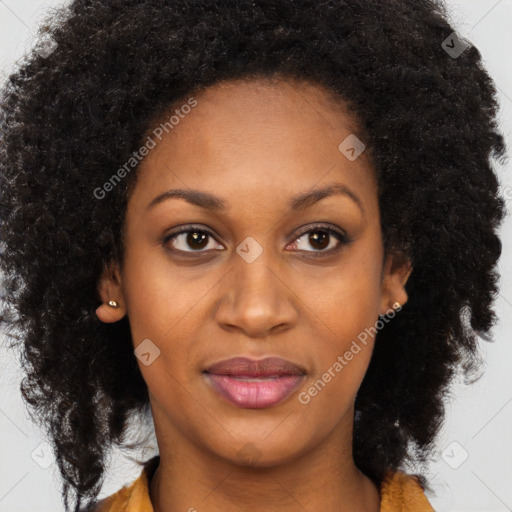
322 239
196 239
319 239
189 239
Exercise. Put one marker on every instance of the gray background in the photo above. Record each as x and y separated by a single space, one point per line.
472 470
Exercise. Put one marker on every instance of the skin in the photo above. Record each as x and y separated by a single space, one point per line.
255 144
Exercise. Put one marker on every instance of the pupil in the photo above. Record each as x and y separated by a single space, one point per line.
198 238
316 239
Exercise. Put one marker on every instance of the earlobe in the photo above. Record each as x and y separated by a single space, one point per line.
110 292
397 270
108 315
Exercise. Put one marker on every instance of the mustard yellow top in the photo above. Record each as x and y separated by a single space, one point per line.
399 492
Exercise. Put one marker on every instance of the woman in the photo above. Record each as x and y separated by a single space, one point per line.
271 226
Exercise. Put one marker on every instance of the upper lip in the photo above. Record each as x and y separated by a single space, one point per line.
247 367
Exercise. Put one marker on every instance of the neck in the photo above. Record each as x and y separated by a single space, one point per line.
191 478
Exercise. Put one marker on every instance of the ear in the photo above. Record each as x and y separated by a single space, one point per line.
396 272
109 289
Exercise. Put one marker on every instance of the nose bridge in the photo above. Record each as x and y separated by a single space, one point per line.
255 274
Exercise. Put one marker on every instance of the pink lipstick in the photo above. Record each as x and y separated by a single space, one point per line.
255 384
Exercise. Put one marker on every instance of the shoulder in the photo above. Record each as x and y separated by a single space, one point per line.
402 492
131 497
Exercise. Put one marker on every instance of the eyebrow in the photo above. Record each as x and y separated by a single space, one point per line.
298 202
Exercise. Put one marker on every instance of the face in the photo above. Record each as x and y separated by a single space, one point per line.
250 260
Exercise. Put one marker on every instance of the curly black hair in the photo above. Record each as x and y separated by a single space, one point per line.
72 115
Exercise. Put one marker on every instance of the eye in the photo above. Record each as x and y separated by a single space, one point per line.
190 237
193 239
321 239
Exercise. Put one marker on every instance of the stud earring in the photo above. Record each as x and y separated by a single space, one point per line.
113 304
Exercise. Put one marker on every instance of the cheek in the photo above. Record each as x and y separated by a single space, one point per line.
158 297
346 300
345 316
341 357
165 307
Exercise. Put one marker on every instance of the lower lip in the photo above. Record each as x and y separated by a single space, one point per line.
255 395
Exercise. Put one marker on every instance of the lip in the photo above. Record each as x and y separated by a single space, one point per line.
255 384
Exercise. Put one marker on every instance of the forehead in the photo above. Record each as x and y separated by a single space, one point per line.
252 138
233 110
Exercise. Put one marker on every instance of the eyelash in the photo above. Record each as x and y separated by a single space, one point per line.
339 235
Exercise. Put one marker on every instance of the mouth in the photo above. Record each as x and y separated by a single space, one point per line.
255 384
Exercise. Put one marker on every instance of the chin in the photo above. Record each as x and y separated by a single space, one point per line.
262 453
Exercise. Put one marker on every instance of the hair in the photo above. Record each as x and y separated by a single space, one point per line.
76 109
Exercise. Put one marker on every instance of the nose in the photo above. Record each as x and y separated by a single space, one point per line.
256 298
